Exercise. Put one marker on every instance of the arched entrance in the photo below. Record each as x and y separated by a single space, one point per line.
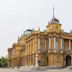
68 60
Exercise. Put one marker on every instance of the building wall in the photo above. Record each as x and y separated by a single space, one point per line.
46 44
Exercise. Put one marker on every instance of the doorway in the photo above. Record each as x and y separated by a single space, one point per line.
68 60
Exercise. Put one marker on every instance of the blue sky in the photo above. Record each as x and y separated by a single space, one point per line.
19 15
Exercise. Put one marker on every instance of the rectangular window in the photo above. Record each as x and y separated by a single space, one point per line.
49 42
42 45
56 43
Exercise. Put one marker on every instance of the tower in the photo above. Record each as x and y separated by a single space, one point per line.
54 24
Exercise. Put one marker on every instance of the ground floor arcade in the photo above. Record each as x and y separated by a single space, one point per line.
51 59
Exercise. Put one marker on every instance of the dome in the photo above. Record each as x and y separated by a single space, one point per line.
54 20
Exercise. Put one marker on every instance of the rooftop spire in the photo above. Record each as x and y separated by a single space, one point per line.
54 20
53 12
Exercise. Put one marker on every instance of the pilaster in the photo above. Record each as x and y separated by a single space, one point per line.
36 58
69 45
61 43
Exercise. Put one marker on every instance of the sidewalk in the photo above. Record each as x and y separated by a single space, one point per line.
34 69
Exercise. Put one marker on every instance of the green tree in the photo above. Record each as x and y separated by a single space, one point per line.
0 63
3 62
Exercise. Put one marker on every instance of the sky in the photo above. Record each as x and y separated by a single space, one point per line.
18 15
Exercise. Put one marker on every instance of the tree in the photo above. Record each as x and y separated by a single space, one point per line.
3 62
0 63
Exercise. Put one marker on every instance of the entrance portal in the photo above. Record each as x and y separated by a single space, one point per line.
68 60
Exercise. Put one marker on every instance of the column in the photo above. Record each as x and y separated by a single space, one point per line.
54 42
49 42
69 44
36 63
64 61
37 48
61 44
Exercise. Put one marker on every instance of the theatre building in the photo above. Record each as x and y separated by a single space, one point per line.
51 47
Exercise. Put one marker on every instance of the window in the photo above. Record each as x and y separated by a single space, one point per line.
56 43
42 45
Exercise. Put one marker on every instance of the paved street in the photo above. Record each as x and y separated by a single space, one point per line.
47 70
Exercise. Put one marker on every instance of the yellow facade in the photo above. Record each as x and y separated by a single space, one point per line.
52 47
